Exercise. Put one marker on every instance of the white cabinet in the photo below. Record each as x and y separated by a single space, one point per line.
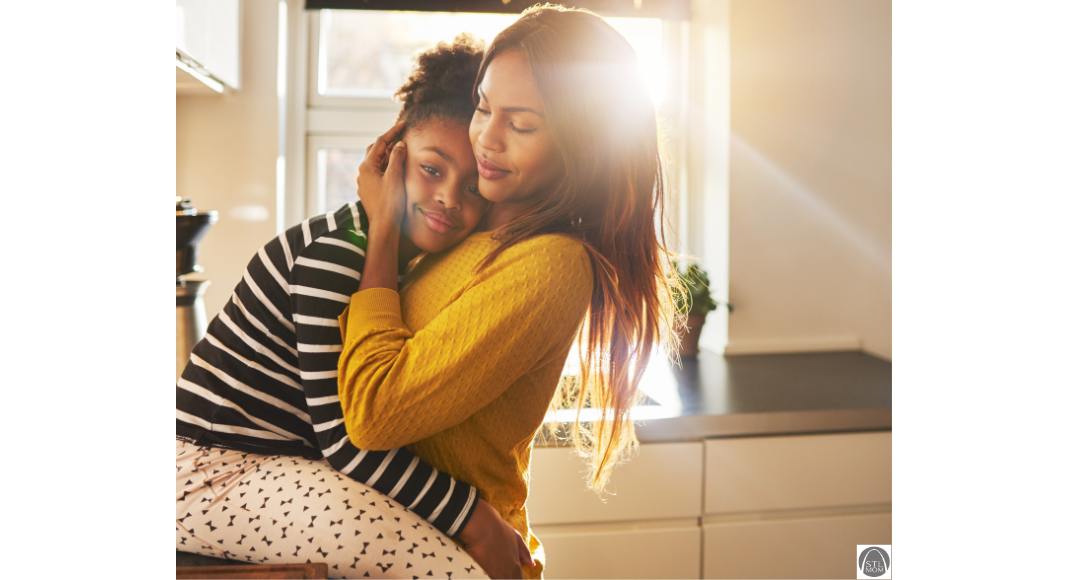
667 550
647 526
662 482
798 547
750 474
741 507
209 32
795 506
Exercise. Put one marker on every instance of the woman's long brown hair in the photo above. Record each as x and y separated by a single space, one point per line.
611 199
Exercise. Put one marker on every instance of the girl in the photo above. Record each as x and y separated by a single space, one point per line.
265 468
462 365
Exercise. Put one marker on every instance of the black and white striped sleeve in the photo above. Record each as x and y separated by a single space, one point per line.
324 275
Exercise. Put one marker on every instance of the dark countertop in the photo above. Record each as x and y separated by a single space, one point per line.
750 395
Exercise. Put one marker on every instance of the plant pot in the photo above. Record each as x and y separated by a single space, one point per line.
690 336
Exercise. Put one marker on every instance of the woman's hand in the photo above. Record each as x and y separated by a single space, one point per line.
495 545
380 181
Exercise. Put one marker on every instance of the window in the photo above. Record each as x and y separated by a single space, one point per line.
333 163
365 53
359 58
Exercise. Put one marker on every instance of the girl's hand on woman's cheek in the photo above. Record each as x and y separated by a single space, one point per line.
380 183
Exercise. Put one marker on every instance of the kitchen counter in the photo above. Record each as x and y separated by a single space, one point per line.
751 395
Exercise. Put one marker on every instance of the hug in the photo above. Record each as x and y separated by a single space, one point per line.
369 395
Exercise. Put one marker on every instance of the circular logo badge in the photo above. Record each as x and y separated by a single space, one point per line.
874 562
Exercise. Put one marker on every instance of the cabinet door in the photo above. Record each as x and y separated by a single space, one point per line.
751 474
662 482
619 553
209 32
815 547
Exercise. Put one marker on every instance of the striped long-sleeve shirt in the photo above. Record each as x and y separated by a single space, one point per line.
264 377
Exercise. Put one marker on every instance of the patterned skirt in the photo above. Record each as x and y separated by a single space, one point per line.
277 509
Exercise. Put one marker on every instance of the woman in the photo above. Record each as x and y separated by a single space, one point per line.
265 470
462 365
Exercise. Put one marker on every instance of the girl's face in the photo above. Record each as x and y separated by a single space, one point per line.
441 180
517 156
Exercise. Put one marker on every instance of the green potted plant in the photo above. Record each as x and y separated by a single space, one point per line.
693 301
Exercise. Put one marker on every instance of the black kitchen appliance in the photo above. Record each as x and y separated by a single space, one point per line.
191 226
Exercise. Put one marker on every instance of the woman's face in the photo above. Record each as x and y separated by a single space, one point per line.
441 180
517 156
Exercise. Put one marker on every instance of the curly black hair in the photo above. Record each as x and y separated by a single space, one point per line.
442 83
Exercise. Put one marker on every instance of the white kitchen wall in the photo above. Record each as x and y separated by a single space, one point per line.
227 147
810 173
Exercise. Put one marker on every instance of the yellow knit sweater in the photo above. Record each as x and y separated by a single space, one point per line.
461 366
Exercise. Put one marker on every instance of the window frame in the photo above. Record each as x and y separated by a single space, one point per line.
317 101
315 199
329 121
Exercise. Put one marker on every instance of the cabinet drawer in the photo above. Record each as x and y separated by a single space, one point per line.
662 482
673 552
796 472
816 547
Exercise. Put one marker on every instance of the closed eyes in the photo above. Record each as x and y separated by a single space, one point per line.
510 124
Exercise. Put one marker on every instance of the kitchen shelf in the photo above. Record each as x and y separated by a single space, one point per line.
190 79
